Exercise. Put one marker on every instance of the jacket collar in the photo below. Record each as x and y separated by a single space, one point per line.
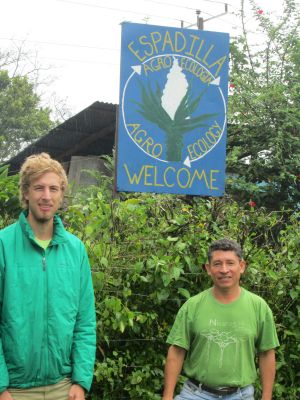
59 232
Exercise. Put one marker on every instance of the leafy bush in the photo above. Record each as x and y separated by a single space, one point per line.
147 253
9 202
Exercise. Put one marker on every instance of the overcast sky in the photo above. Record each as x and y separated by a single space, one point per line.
78 41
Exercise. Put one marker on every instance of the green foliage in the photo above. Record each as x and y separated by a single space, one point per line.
9 201
22 120
147 253
264 112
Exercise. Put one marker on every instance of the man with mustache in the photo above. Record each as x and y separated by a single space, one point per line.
217 334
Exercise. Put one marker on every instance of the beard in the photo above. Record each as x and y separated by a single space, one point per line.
42 220
40 217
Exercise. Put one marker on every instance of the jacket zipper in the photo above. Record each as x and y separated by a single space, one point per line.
45 341
44 262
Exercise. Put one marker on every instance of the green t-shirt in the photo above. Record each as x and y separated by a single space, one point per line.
221 339
43 243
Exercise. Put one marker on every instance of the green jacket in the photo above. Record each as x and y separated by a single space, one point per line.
47 312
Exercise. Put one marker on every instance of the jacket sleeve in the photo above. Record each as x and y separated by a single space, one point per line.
4 379
84 338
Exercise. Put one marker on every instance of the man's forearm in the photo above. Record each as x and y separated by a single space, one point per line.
173 368
267 368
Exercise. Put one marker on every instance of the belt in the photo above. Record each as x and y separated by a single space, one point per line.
217 391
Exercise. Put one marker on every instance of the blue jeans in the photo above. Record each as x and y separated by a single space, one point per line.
193 392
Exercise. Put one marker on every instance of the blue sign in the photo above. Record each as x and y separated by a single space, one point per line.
173 109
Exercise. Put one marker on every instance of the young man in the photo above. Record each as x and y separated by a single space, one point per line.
47 314
217 334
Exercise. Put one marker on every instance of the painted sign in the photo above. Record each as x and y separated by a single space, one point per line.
173 109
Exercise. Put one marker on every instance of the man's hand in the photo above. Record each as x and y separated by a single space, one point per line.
5 395
76 393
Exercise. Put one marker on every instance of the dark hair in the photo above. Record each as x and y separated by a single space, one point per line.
225 245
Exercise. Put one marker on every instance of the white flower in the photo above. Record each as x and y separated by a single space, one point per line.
175 89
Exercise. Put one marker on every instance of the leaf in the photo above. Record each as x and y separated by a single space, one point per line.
294 294
194 123
138 266
104 261
186 108
98 280
151 107
272 274
166 278
184 292
163 294
121 326
172 239
176 272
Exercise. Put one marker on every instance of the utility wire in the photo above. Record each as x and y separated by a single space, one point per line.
90 62
189 8
119 10
152 15
60 44
122 10
113 9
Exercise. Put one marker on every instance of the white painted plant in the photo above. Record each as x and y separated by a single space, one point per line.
161 105
175 89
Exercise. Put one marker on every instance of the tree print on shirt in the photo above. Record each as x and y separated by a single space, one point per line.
222 340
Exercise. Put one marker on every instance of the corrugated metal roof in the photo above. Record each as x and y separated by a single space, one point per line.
90 132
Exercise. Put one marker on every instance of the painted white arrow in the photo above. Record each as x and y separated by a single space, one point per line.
187 162
137 69
216 81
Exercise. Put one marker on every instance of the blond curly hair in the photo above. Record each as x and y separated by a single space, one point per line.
35 166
